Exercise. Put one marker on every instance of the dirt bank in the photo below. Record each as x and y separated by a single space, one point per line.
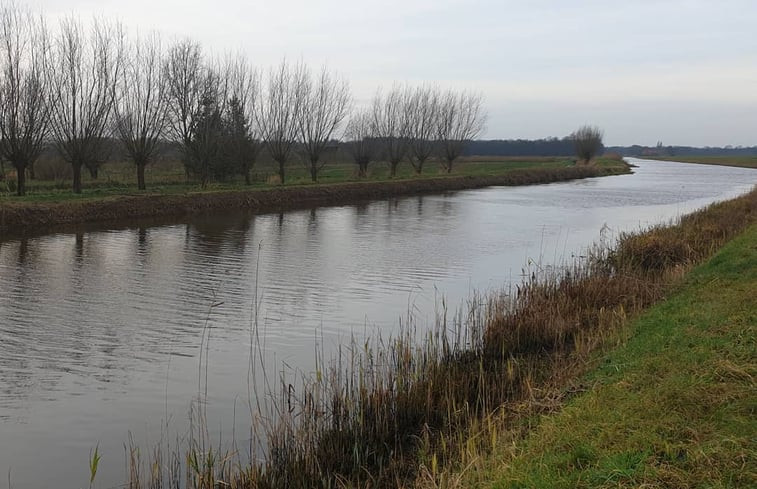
17 217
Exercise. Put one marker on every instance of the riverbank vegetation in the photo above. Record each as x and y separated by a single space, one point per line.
740 161
674 407
427 406
46 206
167 176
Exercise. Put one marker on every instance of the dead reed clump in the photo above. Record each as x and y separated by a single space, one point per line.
654 251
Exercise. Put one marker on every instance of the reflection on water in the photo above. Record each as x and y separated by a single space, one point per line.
100 331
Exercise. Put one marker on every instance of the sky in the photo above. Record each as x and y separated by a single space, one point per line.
683 72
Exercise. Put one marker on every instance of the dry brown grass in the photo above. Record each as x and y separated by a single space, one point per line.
423 407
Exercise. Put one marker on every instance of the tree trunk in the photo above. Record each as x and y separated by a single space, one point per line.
141 175
281 171
393 169
247 179
20 180
77 177
362 171
93 171
418 167
314 170
32 175
449 165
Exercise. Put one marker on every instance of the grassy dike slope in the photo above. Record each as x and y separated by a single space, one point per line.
674 407
739 161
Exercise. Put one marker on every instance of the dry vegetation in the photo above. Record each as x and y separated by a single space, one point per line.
422 408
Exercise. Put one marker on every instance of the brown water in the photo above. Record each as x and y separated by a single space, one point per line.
100 332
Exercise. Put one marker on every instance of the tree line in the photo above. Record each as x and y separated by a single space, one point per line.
551 146
79 86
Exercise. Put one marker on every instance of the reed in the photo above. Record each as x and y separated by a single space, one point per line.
405 410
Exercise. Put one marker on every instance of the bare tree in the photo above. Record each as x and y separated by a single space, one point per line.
324 105
588 142
279 111
197 97
392 121
24 96
243 142
83 71
183 67
360 139
423 112
461 119
141 105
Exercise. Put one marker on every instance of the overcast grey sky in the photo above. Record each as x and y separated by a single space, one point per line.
680 71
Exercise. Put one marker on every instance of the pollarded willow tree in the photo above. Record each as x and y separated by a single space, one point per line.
83 69
392 122
461 118
183 68
423 110
360 139
587 141
24 96
141 108
325 103
279 111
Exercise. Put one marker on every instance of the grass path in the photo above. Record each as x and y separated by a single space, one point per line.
674 407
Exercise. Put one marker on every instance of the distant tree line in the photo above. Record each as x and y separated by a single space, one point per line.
551 146
669 150
80 87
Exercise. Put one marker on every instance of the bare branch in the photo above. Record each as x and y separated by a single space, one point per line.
461 119
588 142
360 139
423 110
184 72
325 105
392 122
197 92
141 105
24 96
279 111
83 71
243 142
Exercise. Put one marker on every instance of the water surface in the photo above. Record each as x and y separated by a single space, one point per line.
100 331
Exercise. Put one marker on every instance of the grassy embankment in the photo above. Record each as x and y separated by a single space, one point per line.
114 195
168 177
740 161
428 410
673 407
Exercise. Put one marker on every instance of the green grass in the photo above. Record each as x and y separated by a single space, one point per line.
168 178
740 161
674 407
